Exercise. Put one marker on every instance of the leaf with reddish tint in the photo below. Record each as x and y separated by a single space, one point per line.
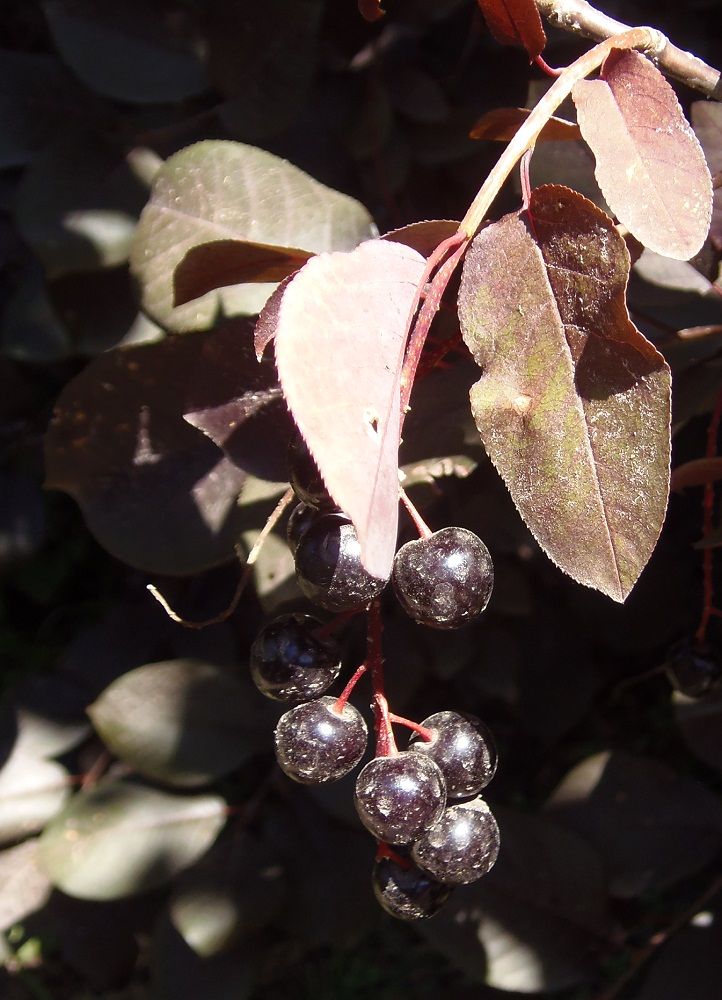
707 122
339 338
370 10
231 262
650 165
515 22
698 472
573 405
502 124
156 492
423 236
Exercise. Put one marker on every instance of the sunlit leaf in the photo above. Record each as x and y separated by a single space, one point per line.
339 343
120 838
217 190
573 404
32 791
181 721
24 886
423 236
127 49
515 22
650 165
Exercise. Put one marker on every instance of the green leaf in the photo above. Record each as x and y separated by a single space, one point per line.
573 405
127 49
24 886
119 839
180 721
32 791
217 190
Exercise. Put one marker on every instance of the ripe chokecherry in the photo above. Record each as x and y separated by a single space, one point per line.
329 567
316 743
404 891
399 796
444 580
464 749
462 846
290 663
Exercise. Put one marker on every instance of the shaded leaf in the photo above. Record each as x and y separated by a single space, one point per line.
417 95
567 163
532 923
154 491
502 124
697 472
346 313
688 964
127 49
24 886
263 58
707 122
22 518
180 721
650 165
713 540
31 329
32 791
224 190
230 262
664 272
651 826
700 721
120 838
178 973
573 405
515 22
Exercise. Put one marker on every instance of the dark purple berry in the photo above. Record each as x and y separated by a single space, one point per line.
306 480
315 743
462 846
397 797
302 517
329 567
464 749
288 661
407 892
444 580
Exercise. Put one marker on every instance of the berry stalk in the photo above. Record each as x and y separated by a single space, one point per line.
385 741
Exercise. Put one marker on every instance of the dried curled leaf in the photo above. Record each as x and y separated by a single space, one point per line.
573 405
650 165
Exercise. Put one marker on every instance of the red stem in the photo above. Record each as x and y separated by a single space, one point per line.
386 851
546 68
346 693
707 519
385 742
424 733
421 526
334 624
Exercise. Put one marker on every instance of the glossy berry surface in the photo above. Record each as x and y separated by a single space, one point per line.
444 580
288 661
329 567
464 749
406 892
462 846
315 743
398 797
306 480
302 517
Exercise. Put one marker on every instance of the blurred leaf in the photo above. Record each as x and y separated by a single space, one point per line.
178 973
697 472
32 791
700 722
534 921
77 205
119 839
502 124
24 886
707 122
371 10
118 444
22 518
564 162
417 95
237 890
31 329
651 826
664 272
129 50
181 721
573 404
650 165
687 965
262 57
230 262
274 572
224 190
334 303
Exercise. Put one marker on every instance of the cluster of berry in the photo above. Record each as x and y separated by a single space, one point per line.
426 845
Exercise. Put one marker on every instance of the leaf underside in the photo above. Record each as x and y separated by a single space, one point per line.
650 165
573 405
515 22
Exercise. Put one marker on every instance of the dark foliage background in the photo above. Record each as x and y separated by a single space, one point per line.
608 792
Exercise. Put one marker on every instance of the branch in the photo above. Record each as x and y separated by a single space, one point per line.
581 18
